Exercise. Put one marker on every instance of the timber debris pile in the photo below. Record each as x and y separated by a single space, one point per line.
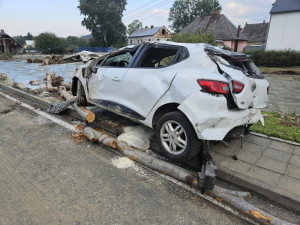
53 59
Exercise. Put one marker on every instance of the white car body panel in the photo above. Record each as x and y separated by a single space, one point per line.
106 84
142 88
212 121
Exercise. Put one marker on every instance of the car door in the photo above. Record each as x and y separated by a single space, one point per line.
149 79
104 87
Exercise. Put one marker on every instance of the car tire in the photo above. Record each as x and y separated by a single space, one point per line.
80 95
176 137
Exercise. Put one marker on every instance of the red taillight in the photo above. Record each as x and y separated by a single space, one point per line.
212 86
237 87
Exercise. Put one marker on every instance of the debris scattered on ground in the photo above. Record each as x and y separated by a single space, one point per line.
5 79
52 59
20 86
140 129
78 137
35 60
35 82
54 82
87 115
137 140
3 76
83 56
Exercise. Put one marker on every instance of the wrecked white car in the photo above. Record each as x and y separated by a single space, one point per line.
186 92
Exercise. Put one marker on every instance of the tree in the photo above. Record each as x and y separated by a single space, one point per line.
29 36
135 25
104 19
199 37
49 43
184 12
73 42
20 39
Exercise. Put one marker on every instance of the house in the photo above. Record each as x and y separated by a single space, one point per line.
149 34
257 33
284 29
225 32
29 44
9 45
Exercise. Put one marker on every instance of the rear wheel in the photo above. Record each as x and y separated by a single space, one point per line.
176 137
81 99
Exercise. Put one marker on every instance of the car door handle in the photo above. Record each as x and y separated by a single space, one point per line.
116 79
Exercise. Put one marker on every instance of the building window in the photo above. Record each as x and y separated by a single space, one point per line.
163 31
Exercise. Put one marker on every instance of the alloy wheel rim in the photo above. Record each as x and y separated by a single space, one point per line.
173 137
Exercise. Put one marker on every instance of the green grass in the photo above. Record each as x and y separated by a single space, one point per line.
284 126
280 70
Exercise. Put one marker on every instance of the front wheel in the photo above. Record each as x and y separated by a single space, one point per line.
176 137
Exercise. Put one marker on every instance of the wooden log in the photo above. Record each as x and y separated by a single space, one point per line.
245 208
234 199
50 88
86 114
101 137
145 159
66 85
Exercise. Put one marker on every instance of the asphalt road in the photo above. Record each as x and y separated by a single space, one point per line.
48 178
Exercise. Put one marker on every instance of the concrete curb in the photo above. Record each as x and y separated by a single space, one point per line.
222 173
257 187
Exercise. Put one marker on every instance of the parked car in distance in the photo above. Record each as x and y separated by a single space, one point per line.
186 92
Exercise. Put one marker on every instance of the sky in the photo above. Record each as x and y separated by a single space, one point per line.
62 17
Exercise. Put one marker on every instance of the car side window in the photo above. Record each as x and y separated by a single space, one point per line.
119 60
159 57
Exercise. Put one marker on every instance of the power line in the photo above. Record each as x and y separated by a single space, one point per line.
155 14
139 8
149 9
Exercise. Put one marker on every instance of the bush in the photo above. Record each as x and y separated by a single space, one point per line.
199 37
273 58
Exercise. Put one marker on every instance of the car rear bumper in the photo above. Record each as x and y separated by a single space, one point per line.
211 118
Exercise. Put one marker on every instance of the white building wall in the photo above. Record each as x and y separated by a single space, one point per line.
138 40
284 32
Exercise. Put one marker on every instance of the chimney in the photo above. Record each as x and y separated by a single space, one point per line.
146 27
152 26
215 15
238 31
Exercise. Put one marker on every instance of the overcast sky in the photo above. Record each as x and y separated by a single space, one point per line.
17 17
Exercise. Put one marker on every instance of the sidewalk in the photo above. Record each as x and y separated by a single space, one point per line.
265 166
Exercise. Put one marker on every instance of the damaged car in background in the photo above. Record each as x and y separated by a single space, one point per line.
189 93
